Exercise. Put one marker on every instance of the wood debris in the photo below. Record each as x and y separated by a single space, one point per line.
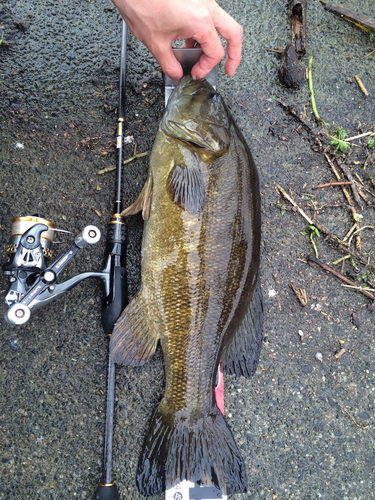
300 294
351 16
360 85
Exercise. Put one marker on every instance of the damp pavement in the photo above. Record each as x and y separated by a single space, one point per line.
305 427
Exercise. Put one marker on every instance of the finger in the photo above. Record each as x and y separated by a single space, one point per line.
213 53
190 43
167 61
233 33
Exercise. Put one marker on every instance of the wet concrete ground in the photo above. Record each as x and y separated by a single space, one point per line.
304 427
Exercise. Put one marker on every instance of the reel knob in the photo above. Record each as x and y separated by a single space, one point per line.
89 236
18 314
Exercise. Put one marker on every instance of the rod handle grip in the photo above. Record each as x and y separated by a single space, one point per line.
114 303
107 492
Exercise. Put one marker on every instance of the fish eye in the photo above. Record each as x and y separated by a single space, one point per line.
215 97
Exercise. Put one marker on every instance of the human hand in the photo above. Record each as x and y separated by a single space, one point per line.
157 23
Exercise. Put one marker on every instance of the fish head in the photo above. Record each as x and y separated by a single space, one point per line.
196 113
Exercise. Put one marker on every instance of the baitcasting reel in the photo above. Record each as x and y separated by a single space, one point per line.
32 277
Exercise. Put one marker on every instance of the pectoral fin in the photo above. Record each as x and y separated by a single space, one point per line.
143 202
186 185
132 342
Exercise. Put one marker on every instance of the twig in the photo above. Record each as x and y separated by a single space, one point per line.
335 240
360 85
134 157
358 177
106 169
350 232
350 15
358 230
370 54
276 51
329 184
348 174
312 96
359 136
359 288
363 196
372 194
290 108
338 177
128 160
313 260
352 418
285 194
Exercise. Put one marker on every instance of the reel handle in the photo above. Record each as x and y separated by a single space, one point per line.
43 289
17 314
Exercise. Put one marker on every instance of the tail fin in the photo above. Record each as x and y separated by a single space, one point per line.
197 448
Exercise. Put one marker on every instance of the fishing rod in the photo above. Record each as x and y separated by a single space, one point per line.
115 297
33 279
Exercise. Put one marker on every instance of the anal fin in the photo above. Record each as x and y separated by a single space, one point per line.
132 342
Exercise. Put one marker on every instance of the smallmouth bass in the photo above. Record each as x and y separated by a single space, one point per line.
200 292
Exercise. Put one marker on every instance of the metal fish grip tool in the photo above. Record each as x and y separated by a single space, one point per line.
187 58
187 490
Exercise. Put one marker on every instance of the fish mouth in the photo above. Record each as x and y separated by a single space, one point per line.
192 135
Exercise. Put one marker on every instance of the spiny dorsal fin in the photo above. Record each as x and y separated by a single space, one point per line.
241 356
186 185
143 202
132 342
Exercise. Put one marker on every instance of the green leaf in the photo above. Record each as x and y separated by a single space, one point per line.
314 231
338 140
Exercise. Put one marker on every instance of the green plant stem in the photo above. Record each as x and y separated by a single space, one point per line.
315 249
312 96
341 259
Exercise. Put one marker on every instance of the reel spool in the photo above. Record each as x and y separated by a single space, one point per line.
28 254
21 224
